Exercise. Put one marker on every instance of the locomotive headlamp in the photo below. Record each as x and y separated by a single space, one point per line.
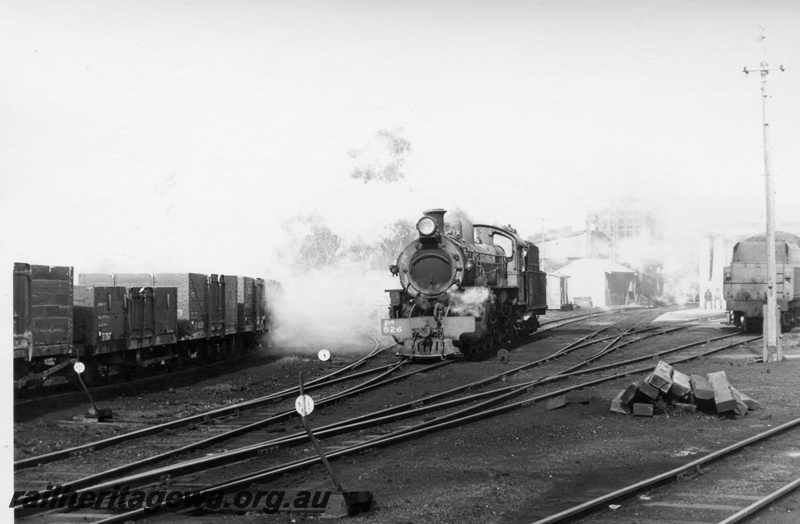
426 226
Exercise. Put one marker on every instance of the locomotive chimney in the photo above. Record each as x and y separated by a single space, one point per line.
438 217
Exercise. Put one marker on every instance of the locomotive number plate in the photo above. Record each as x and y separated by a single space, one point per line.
389 327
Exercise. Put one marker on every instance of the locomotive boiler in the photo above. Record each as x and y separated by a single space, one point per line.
746 281
463 288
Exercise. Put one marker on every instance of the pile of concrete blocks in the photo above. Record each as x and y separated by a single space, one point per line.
665 386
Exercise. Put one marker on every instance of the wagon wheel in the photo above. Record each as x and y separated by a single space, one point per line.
205 355
228 352
104 373
23 369
241 346
181 360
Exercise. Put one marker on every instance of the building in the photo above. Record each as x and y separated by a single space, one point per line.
599 283
557 252
624 220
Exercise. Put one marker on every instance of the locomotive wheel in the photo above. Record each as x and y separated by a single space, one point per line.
745 325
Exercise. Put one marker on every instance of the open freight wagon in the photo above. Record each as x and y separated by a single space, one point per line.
43 329
216 315
129 320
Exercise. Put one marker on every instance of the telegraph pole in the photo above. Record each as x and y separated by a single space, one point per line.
773 352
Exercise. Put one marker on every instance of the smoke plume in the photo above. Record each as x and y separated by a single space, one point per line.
472 302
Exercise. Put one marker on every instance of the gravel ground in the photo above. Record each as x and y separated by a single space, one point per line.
515 467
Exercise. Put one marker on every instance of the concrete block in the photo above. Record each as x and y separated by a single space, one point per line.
581 396
649 390
618 406
723 397
661 377
681 384
752 405
576 396
689 408
741 407
642 410
630 392
701 388
557 402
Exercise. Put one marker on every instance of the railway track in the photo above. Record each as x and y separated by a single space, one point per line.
28 397
461 411
33 396
219 416
726 486
223 417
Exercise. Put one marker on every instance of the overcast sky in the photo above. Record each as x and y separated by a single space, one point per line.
180 135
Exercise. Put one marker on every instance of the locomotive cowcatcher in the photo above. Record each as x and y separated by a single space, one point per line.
463 289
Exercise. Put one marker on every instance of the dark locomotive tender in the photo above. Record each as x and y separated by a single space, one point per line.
745 284
464 288
129 320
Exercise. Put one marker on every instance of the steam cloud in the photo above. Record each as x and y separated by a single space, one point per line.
472 302
336 308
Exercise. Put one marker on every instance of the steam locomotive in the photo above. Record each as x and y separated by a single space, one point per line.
745 285
128 321
463 289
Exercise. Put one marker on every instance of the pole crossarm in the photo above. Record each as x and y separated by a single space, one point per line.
763 69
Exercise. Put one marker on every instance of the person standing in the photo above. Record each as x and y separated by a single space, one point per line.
707 303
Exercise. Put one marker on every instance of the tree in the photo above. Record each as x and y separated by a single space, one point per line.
383 252
459 213
319 249
382 160
398 235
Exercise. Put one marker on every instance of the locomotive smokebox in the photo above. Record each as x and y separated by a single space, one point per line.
438 216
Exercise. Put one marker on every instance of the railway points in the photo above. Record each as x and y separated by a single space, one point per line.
513 392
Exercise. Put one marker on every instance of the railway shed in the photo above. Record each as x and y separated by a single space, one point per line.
603 282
